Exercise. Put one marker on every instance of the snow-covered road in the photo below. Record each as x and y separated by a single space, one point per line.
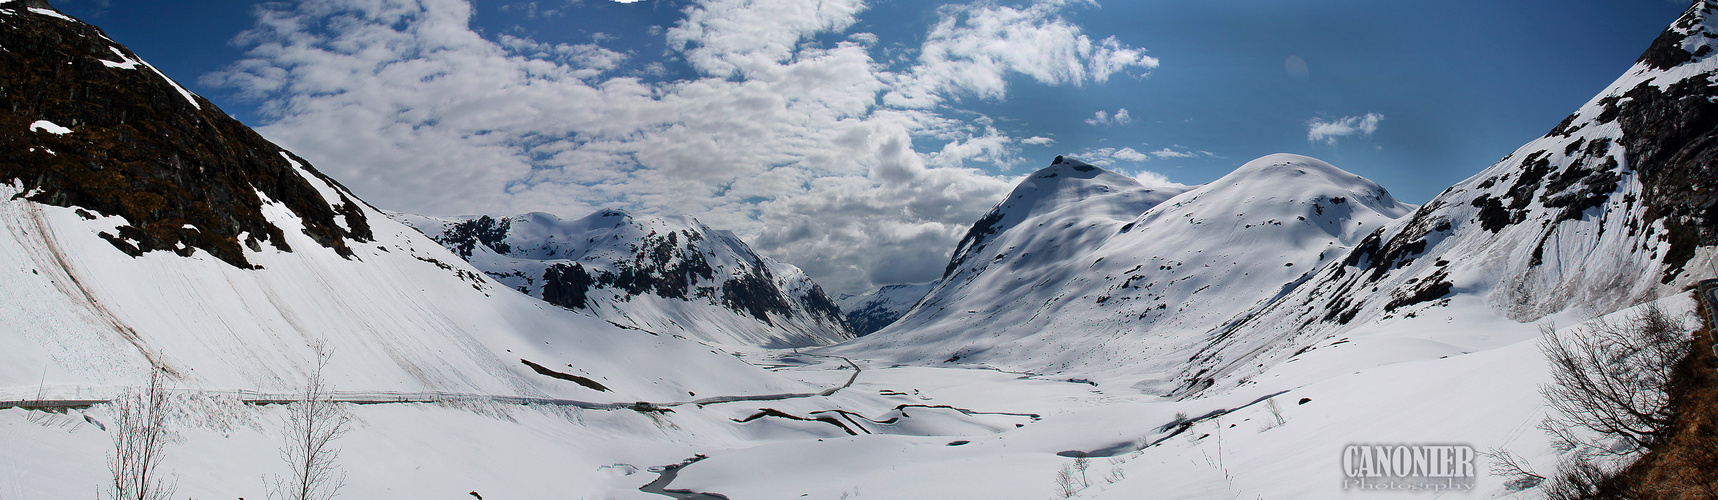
387 397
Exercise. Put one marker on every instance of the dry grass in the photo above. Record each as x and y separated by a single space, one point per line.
1685 465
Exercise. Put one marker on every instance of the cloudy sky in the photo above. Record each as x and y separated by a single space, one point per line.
858 139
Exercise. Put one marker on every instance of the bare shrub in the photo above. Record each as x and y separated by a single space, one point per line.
1517 473
1612 378
1115 474
140 435
1611 394
1579 479
1082 464
1276 415
1066 486
313 423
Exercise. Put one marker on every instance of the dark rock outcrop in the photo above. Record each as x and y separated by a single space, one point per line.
182 174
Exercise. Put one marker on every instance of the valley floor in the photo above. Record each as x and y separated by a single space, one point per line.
946 431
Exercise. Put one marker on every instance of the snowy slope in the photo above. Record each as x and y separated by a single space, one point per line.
1244 379
871 311
142 227
1613 207
660 273
1085 273
1214 287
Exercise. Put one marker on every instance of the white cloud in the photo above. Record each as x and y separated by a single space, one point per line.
795 146
1109 157
1121 117
974 47
1171 153
1037 141
1128 154
745 37
1328 131
1151 179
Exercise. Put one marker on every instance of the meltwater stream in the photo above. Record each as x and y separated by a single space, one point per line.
667 475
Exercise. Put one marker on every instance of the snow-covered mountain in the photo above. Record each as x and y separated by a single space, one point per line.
1286 310
1613 207
1082 273
871 311
1081 270
660 273
145 228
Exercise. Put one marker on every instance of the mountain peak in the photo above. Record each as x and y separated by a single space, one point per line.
1678 45
1066 181
657 272
1293 176
30 4
1069 187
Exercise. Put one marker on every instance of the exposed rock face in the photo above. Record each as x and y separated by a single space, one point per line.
86 123
658 273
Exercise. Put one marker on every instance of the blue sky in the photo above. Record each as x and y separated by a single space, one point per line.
858 139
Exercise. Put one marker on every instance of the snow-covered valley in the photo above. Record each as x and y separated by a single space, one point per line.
1091 337
898 432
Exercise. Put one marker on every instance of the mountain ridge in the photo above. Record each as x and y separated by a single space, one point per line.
1113 279
150 232
1610 209
662 273
122 124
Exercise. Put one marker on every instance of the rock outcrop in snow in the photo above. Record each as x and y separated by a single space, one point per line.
184 176
665 274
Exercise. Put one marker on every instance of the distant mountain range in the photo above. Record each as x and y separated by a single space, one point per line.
1173 291
1081 269
871 311
660 273
143 231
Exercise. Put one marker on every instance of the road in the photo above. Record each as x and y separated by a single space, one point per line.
372 397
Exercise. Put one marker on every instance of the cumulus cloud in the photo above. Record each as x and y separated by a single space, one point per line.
974 47
1328 131
1037 141
1109 157
805 149
1121 117
1151 179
